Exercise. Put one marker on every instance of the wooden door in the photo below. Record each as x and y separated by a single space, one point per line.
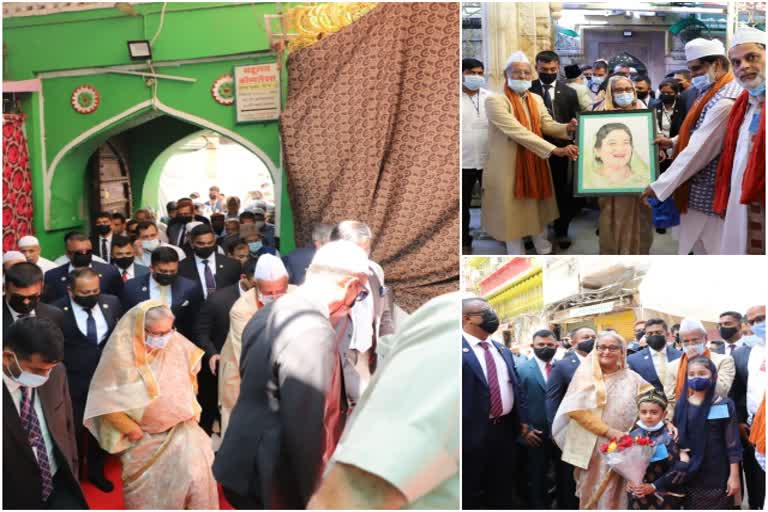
110 182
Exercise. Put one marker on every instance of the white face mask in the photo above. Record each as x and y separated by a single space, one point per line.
654 428
259 224
150 245
27 379
268 299
519 86
695 350
158 342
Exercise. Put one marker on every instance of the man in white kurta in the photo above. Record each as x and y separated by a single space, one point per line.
699 231
748 58
29 246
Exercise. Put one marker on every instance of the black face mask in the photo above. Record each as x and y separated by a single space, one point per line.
185 219
545 354
586 346
86 302
677 339
218 228
103 229
164 279
212 197
123 262
490 321
728 332
16 302
642 95
547 78
82 259
668 99
205 252
566 344
656 342
639 335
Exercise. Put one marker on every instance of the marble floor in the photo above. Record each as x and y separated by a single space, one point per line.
582 232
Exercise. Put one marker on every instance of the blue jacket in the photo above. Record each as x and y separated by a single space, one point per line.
56 281
532 382
557 385
476 398
296 263
642 363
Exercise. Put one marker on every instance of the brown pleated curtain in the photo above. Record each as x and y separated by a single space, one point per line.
371 132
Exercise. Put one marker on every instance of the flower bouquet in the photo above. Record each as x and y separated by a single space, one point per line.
629 456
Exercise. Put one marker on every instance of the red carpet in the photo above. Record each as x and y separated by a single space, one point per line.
98 500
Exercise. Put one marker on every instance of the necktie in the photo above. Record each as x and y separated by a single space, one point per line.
493 381
731 346
104 249
90 328
31 424
548 368
210 283
547 98
125 275
181 235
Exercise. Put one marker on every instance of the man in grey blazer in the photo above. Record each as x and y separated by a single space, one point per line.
292 404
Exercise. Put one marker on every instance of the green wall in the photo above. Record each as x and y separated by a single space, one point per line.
72 41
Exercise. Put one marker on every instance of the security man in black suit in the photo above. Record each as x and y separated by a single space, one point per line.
562 102
102 240
205 266
89 319
583 341
21 298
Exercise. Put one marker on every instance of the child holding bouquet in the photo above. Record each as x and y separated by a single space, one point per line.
708 429
660 488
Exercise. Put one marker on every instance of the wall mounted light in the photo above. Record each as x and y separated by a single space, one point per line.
140 50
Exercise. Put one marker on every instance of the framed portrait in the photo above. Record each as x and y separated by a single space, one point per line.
616 152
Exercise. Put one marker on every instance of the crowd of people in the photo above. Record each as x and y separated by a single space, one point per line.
190 350
534 420
710 137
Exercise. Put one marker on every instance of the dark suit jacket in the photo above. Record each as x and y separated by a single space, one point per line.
642 363
678 115
296 263
213 320
689 97
476 399
739 389
21 476
227 270
138 270
288 355
565 105
80 355
56 281
557 384
187 297
532 381
42 310
96 243
174 228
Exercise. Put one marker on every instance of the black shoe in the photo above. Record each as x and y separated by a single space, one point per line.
564 242
528 243
661 231
101 483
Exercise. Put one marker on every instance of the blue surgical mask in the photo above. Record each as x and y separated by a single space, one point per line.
28 379
701 82
695 350
759 331
519 86
474 82
654 428
254 247
699 383
757 91
596 80
158 342
624 99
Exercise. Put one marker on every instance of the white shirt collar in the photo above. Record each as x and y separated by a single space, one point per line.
14 314
654 351
240 288
71 268
107 238
581 357
11 384
78 307
472 340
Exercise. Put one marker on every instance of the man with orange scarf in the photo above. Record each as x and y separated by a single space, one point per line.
698 146
740 185
518 196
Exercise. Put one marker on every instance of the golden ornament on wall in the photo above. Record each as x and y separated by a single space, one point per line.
312 22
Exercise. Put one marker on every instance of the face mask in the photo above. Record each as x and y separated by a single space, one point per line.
759 331
656 342
642 95
268 299
519 86
254 247
701 82
699 383
639 335
204 252
695 350
123 262
16 302
86 302
217 228
668 99
103 229
545 354
654 428
597 81
624 99
157 341
757 91
490 321
474 82
150 245
260 224
185 219
547 78
566 344
728 332
586 346
80 259
164 279
212 197
27 379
